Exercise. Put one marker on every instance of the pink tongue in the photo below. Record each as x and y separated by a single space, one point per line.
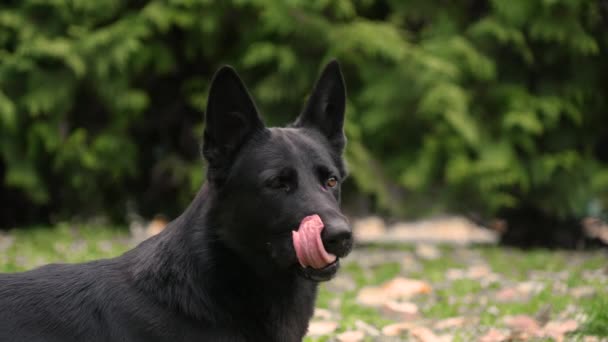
308 244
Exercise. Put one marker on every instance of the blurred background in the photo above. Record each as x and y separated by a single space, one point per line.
496 110
469 123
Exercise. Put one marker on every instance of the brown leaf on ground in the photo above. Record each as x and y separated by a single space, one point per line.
372 296
322 314
418 333
402 288
398 288
508 294
427 251
582 291
473 272
530 287
451 323
455 274
493 335
478 271
369 229
404 310
520 292
351 336
523 323
557 330
423 334
319 328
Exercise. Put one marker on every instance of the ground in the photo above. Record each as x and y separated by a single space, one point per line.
404 292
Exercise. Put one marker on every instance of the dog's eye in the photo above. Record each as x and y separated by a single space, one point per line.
332 182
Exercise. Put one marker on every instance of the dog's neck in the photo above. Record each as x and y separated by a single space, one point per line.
188 269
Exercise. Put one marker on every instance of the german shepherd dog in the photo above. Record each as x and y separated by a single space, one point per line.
244 260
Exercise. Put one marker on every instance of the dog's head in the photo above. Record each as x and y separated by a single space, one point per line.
267 180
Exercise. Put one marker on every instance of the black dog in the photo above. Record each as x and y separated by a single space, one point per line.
229 268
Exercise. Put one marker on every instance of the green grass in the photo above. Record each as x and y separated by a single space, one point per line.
384 272
516 263
36 246
76 243
597 316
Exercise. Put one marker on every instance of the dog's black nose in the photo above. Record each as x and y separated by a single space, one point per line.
337 237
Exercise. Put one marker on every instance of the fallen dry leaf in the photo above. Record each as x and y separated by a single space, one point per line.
582 291
478 271
403 288
557 330
493 335
351 336
372 296
473 272
419 333
319 328
423 334
427 251
369 229
523 323
446 338
520 292
404 310
397 288
450 323
455 274
530 287
396 329
322 314
508 294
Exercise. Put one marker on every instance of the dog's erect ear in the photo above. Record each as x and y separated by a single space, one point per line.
230 119
324 109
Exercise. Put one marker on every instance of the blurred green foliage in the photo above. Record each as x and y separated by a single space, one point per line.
471 105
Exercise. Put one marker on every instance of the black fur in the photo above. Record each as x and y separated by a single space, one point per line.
226 269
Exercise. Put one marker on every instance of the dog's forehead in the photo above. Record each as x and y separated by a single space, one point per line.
298 142
301 149
288 145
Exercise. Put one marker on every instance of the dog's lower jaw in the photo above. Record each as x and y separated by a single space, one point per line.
319 275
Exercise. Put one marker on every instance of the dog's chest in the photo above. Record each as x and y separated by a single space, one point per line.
288 316
292 323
